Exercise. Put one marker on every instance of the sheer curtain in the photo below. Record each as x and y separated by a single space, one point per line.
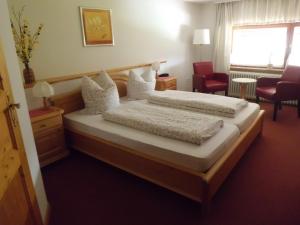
223 37
248 12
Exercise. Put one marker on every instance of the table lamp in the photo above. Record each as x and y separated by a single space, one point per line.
156 66
44 90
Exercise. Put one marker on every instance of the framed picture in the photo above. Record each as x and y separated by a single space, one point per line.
96 26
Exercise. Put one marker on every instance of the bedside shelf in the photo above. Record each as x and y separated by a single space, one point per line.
166 83
48 130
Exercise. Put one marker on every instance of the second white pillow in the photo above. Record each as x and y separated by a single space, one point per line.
140 86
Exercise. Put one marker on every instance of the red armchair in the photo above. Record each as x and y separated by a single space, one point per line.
280 89
206 81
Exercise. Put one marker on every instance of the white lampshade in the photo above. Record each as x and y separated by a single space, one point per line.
42 89
156 66
201 37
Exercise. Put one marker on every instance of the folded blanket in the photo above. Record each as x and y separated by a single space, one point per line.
168 122
199 102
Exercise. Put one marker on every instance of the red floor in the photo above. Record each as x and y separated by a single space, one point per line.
263 189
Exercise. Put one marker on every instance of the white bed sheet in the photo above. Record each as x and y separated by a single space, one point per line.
195 157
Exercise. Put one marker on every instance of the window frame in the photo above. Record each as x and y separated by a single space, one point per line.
265 69
295 25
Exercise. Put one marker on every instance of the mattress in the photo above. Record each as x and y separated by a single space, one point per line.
196 157
245 117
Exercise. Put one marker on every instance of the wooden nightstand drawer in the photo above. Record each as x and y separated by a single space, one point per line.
172 88
171 84
42 125
49 136
47 141
165 83
52 156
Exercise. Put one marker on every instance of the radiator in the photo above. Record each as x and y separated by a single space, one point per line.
234 88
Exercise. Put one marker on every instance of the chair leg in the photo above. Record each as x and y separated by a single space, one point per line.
280 106
298 106
257 99
276 105
194 89
226 93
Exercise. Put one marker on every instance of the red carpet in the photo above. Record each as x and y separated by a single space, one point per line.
263 189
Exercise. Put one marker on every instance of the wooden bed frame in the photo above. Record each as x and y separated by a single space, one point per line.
198 186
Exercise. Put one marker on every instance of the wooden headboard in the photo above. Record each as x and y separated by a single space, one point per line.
73 101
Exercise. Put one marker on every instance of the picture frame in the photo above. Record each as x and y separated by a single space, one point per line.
96 26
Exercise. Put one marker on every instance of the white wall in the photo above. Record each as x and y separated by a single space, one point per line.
144 31
7 42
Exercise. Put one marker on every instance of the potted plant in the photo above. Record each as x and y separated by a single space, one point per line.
25 42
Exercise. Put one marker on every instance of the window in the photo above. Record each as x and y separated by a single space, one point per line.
265 46
294 58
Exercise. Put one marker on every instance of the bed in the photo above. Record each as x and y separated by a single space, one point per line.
191 156
137 156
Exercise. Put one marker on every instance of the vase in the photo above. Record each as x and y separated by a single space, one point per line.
28 75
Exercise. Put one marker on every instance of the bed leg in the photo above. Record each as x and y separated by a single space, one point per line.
205 207
261 127
257 99
279 106
206 201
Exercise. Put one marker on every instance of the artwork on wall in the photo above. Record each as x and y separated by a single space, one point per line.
96 26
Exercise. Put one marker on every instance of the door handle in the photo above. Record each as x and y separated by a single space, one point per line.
11 111
14 105
1 82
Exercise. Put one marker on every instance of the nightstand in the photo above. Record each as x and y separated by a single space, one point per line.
166 83
48 130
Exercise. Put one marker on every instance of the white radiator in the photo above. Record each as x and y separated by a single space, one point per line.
234 88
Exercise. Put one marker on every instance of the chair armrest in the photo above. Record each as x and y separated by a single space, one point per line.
286 90
199 82
267 81
221 77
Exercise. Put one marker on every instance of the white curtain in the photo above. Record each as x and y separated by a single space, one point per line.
223 36
248 12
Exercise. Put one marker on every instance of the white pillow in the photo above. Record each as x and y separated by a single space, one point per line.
98 99
148 76
104 80
140 86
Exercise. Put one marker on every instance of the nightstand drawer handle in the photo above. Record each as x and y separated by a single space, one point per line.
43 125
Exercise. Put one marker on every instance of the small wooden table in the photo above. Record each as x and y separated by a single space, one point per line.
243 84
166 83
48 130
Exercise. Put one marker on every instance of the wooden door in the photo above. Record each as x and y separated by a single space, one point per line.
18 205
